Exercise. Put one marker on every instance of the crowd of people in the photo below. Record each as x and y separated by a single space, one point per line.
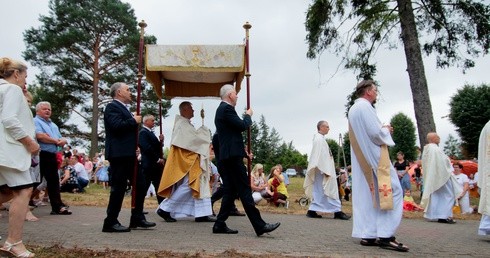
188 183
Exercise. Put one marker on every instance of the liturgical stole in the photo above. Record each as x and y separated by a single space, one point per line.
385 192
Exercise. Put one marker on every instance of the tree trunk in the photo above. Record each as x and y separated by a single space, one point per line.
416 72
94 135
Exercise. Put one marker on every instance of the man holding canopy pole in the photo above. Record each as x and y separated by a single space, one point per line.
235 180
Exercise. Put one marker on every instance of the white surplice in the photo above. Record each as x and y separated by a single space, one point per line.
484 179
440 185
368 221
320 180
181 203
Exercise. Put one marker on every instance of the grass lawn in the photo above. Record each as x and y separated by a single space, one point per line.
97 196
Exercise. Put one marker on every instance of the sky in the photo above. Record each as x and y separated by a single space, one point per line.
292 92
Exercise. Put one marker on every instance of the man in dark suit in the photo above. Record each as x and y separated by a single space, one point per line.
231 152
220 192
120 150
149 170
151 159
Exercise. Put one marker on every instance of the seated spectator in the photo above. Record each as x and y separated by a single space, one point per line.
409 204
278 190
69 181
258 183
82 175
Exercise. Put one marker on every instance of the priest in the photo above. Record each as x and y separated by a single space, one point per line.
185 179
321 180
377 198
484 179
440 186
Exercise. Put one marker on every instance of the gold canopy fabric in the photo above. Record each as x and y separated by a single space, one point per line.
194 70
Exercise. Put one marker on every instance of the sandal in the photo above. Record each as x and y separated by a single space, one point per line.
369 242
7 249
62 211
392 244
30 217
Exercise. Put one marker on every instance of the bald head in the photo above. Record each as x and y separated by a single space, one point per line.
432 137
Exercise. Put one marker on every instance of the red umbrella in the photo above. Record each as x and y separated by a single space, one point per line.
469 166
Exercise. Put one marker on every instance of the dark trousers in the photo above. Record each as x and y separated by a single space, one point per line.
155 175
220 192
48 166
236 181
120 171
142 184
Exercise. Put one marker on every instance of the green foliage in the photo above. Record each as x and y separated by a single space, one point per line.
403 136
455 32
82 48
269 151
346 146
452 148
469 112
337 153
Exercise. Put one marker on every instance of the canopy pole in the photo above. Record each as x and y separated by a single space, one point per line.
142 26
247 27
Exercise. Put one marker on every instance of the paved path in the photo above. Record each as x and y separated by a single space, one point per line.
297 236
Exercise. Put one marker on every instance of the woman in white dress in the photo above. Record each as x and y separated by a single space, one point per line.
17 144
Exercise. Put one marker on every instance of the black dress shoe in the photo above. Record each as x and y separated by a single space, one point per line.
205 219
165 215
267 228
224 230
141 224
116 228
313 214
447 221
341 215
236 213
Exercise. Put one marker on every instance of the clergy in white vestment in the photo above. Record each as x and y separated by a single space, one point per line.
185 178
484 179
441 188
377 198
321 180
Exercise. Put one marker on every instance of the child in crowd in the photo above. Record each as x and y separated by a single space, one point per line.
102 173
278 190
409 204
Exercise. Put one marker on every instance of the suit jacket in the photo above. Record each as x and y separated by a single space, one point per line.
150 148
230 127
120 131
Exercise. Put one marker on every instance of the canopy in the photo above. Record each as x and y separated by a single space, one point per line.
194 70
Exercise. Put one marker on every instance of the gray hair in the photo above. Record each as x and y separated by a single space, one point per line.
147 117
116 86
42 103
320 124
225 90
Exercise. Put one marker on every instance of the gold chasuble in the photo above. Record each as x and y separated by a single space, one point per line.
179 163
384 191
